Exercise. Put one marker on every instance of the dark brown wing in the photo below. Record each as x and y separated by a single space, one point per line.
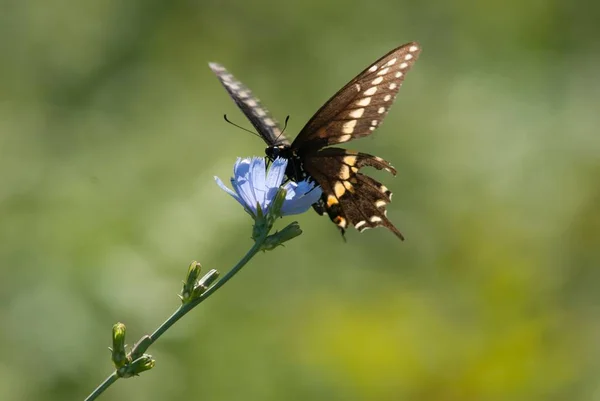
358 108
349 197
260 118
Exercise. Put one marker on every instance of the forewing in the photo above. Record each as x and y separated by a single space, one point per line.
351 198
260 118
358 108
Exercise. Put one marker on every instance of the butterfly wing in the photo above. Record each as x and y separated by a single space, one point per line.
349 197
267 126
358 108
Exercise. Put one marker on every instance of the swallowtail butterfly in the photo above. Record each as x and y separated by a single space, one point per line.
349 197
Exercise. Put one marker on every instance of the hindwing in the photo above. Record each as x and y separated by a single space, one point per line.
351 198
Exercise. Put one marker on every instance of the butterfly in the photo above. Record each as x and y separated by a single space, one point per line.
350 198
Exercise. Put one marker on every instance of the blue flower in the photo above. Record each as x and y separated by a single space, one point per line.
254 186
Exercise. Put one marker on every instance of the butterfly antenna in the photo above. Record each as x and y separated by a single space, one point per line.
240 127
284 127
285 124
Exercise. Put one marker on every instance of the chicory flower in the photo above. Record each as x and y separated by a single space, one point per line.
255 188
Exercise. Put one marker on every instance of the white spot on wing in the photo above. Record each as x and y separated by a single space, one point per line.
413 49
403 66
364 101
380 203
387 98
344 138
375 219
216 67
371 91
360 224
383 71
377 81
392 61
348 127
381 110
357 113
373 68
393 86
408 57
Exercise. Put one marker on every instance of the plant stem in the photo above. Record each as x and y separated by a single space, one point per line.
184 309
105 384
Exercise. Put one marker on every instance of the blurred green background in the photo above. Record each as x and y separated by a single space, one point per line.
111 131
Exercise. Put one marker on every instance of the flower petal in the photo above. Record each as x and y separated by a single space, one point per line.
299 197
257 181
276 173
243 189
229 191
241 167
254 186
241 183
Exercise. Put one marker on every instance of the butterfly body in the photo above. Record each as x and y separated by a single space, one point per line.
350 198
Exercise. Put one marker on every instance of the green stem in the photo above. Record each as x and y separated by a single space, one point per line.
184 309
105 384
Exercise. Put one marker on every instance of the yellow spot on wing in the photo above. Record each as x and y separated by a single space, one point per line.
340 221
344 172
349 186
350 160
339 189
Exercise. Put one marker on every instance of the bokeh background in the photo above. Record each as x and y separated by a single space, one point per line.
111 131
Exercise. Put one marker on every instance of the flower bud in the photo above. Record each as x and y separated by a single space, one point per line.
119 356
190 282
279 237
